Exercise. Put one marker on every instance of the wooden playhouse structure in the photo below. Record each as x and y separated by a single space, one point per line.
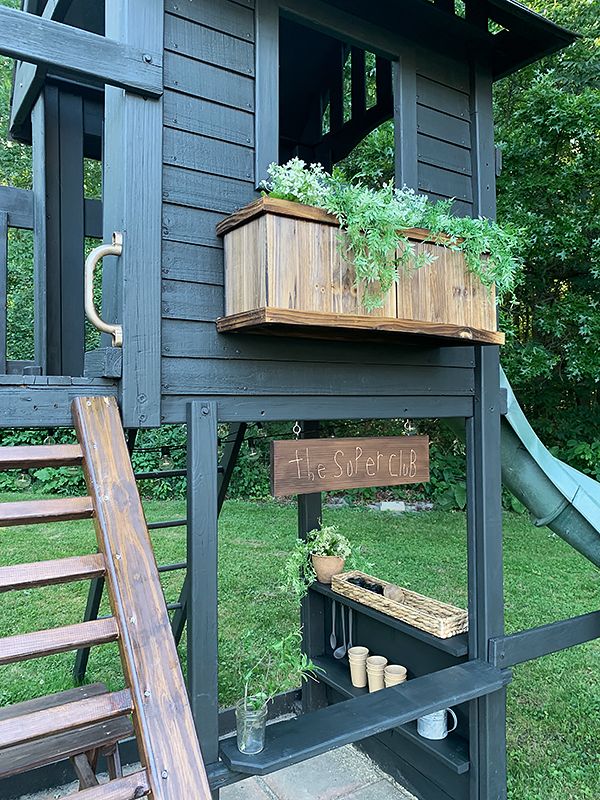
186 102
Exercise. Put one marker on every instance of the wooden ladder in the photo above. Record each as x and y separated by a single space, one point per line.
155 696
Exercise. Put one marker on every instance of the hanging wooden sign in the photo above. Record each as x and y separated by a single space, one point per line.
303 466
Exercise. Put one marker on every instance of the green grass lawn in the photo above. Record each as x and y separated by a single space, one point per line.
554 703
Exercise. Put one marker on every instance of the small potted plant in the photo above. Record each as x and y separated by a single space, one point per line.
281 666
318 557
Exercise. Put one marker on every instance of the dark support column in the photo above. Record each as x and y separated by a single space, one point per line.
202 637
3 287
228 462
404 76
486 595
309 517
59 231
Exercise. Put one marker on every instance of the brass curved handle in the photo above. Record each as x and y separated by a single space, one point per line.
91 312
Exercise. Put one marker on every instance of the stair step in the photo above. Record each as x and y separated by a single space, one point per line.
129 788
46 573
298 739
57 640
67 717
31 512
32 457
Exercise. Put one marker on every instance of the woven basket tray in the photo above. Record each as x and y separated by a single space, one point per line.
440 619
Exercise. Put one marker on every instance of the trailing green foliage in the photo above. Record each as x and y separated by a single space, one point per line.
374 221
298 571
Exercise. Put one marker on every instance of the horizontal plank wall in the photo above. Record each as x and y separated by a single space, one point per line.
443 94
208 172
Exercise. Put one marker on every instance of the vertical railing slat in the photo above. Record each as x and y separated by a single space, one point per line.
3 288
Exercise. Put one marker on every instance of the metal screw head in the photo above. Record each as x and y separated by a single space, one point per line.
164 774
147 58
147 693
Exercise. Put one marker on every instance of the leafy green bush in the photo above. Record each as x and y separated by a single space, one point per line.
374 221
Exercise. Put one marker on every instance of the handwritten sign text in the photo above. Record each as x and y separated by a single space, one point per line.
315 465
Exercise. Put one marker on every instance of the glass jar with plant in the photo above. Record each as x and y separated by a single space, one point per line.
318 557
375 224
282 665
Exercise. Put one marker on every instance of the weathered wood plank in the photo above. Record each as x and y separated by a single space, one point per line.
52 700
446 183
24 758
18 204
46 573
209 82
311 465
442 154
57 640
213 377
194 263
197 301
128 788
224 16
442 98
191 339
191 225
98 59
31 406
148 650
66 717
207 155
196 115
444 127
3 287
30 512
133 285
32 456
282 407
319 325
208 45
201 190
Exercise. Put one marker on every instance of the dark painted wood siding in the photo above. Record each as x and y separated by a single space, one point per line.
444 129
209 172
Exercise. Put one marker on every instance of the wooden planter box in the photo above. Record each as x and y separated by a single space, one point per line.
284 272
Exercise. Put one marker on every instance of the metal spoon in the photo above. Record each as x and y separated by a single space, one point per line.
341 650
349 628
332 639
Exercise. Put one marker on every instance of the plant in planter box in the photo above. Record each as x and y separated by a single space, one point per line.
320 556
375 224
280 666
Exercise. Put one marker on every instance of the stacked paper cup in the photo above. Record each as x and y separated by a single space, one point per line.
394 674
375 667
357 656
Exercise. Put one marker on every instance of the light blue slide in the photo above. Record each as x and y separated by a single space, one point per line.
565 500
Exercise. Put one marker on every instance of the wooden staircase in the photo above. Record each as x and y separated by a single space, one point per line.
155 697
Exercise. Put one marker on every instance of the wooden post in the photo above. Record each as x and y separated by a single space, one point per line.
58 231
310 511
202 636
486 594
133 205
3 287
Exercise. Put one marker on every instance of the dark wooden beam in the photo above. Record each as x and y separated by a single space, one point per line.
506 651
27 37
3 286
18 205
29 78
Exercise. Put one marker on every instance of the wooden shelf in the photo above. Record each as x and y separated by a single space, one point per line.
453 751
320 325
455 646
298 739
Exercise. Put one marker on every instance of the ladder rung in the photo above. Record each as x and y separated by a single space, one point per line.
67 717
30 512
129 788
46 573
30 457
57 640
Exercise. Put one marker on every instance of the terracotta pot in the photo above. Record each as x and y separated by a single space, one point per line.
327 566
